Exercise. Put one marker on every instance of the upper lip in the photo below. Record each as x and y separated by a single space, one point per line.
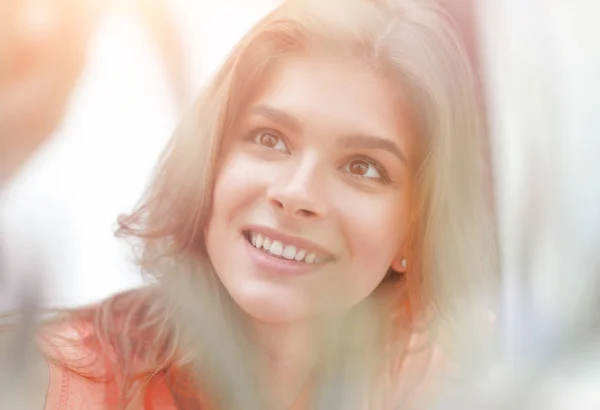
287 239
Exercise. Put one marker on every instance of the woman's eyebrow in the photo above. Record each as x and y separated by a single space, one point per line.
279 116
366 141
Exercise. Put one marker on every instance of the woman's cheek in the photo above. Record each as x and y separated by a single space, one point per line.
374 226
240 171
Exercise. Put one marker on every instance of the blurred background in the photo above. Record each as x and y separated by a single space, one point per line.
101 85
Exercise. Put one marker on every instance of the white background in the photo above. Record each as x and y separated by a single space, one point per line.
58 215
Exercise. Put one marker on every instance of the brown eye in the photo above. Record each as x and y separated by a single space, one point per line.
359 167
270 140
365 168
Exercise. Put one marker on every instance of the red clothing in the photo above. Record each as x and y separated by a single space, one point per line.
76 344
68 390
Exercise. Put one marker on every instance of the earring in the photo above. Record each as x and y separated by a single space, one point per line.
403 263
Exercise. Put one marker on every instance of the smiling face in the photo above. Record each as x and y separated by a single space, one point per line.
312 196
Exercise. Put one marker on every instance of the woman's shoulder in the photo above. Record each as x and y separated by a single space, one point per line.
89 354
81 337
72 366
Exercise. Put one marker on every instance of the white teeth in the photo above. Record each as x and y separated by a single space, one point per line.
310 258
300 255
259 241
267 244
276 248
289 252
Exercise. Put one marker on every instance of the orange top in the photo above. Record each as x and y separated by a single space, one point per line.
75 344
67 390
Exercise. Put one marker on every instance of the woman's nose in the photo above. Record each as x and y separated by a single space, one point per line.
296 192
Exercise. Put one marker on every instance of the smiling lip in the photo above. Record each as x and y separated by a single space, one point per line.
289 240
272 263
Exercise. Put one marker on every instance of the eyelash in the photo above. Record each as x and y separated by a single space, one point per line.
258 131
385 179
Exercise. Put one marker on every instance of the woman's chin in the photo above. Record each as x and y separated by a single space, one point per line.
272 309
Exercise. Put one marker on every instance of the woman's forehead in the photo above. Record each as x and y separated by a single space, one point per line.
323 91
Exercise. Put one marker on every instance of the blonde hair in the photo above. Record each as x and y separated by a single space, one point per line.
451 239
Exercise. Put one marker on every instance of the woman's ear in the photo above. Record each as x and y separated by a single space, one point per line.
399 264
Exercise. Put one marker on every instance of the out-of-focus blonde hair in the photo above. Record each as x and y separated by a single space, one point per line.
451 238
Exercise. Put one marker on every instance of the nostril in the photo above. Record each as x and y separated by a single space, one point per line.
277 204
293 205
306 213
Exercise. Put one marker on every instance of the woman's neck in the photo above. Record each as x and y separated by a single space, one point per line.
287 355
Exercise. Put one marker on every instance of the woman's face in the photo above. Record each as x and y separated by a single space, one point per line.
312 198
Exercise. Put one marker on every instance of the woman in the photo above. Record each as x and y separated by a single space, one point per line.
317 224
